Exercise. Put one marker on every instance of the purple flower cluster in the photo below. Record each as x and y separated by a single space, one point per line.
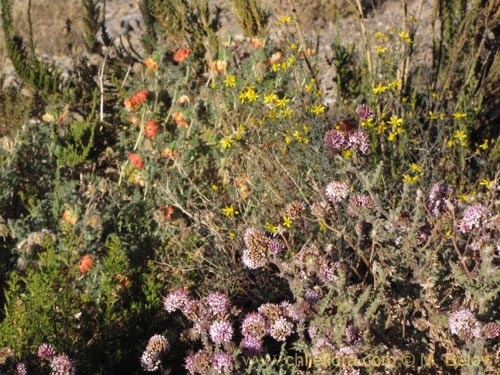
359 201
474 217
364 112
21 369
256 242
222 362
221 332
441 199
61 364
202 361
275 320
176 300
336 191
151 357
217 303
338 140
46 351
204 311
464 324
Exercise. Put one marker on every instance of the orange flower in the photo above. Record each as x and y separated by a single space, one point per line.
275 58
256 43
181 55
136 160
134 120
70 217
309 52
218 66
183 99
150 129
136 99
168 211
179 119
168 153
86 263
151 64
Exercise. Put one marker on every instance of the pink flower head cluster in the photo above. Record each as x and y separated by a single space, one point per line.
275 320
151 357
336 191
213 307
464 324
441 199
338 140
364 112
60 364
203 361
256 245
474 217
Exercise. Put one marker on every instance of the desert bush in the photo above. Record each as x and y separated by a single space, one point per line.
209 210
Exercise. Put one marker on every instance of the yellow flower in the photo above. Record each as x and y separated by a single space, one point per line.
282 102
368 123
291 60
395 121
242 97
395 83
322 226
293 46
250 94
227 142
415 168
287 222
285 19
410 179
347 154
432 116
381 128
271 228
286 113
391 137
270 98
458 115
309 88
460 135
486 183
484 145
381 50
288 140
317 109
215 187
379 89
406 37
230 81
240 132
229 211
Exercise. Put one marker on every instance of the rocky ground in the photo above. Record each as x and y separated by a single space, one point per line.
60 42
